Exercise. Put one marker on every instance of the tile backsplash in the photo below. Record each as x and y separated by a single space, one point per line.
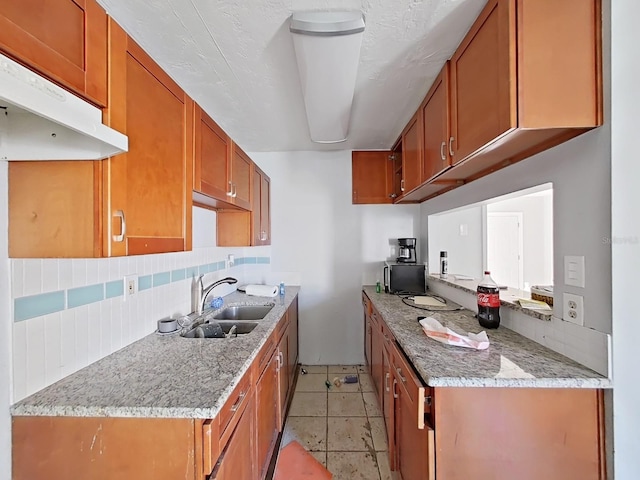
68 313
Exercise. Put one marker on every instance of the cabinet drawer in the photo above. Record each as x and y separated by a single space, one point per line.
376 318
419 395
283 326
229 413
387 336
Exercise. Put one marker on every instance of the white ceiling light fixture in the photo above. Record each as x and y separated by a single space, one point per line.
327 46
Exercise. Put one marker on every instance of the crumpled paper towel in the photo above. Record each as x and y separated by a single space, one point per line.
434 329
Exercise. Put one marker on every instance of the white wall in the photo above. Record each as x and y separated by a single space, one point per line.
464 252
331 246
625 229
5 332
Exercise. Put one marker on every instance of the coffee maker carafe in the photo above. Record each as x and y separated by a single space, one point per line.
406 250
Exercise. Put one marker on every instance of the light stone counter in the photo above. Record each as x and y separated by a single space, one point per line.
161 376
510 361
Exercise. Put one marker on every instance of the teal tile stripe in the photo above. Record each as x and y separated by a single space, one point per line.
85 295
144 282
37 305
33 306
177 275
114 289
161 278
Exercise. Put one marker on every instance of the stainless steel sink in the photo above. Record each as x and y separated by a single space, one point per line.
244 312
212 330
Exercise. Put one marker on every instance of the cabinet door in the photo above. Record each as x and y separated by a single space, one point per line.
371 177
435 117
212 146
293 340
65 40
414 447
241 166
376 354
483 81
265 210
388 407
256 201
149 187
283 376
367 341
267 413
412 154
237 460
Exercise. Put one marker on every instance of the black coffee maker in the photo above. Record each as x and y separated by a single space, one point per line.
406 250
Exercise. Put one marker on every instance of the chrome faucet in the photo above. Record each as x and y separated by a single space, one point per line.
204 292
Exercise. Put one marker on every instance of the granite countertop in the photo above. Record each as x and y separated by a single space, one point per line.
161 376
510 361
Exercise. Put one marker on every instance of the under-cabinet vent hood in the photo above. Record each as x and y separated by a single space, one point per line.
41 121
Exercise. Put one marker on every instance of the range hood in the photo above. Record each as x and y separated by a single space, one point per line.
41 121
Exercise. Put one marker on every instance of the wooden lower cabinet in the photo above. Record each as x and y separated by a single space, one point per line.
267 411
292 312
283 375
60 448
376 354
463 433
237 460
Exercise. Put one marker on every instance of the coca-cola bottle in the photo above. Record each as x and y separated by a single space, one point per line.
488 302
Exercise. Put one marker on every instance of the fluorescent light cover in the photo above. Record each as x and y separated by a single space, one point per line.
327 46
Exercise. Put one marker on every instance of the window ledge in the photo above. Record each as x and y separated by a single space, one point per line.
508 297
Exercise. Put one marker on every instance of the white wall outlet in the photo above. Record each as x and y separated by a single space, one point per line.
574 271
230 260
130 285
573 308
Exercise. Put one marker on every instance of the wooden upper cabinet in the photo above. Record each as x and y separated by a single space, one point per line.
149 187
483 82
135 203
412 154
261 208
240 180
211 161
371 177
64 40
526 77
435 119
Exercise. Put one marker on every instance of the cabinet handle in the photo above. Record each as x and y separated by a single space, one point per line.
386 381
230 192
234 189
123 224
402 185
399 370
355 195
395 382
451 146
235 406
442 154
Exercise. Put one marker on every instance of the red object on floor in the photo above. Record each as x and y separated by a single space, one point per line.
295 463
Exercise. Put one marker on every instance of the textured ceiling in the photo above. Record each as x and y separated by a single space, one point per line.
236 59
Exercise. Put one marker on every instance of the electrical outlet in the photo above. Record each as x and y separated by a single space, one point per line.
130 285
230 260
573 308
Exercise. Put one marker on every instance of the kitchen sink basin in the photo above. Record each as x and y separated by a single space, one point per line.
213 330
244 312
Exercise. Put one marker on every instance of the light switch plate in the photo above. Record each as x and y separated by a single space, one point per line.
574 270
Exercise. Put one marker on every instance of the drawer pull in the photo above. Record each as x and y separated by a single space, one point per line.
395 382
235 406
399 370
386 381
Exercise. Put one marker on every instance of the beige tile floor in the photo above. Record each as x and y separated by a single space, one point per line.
342 427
